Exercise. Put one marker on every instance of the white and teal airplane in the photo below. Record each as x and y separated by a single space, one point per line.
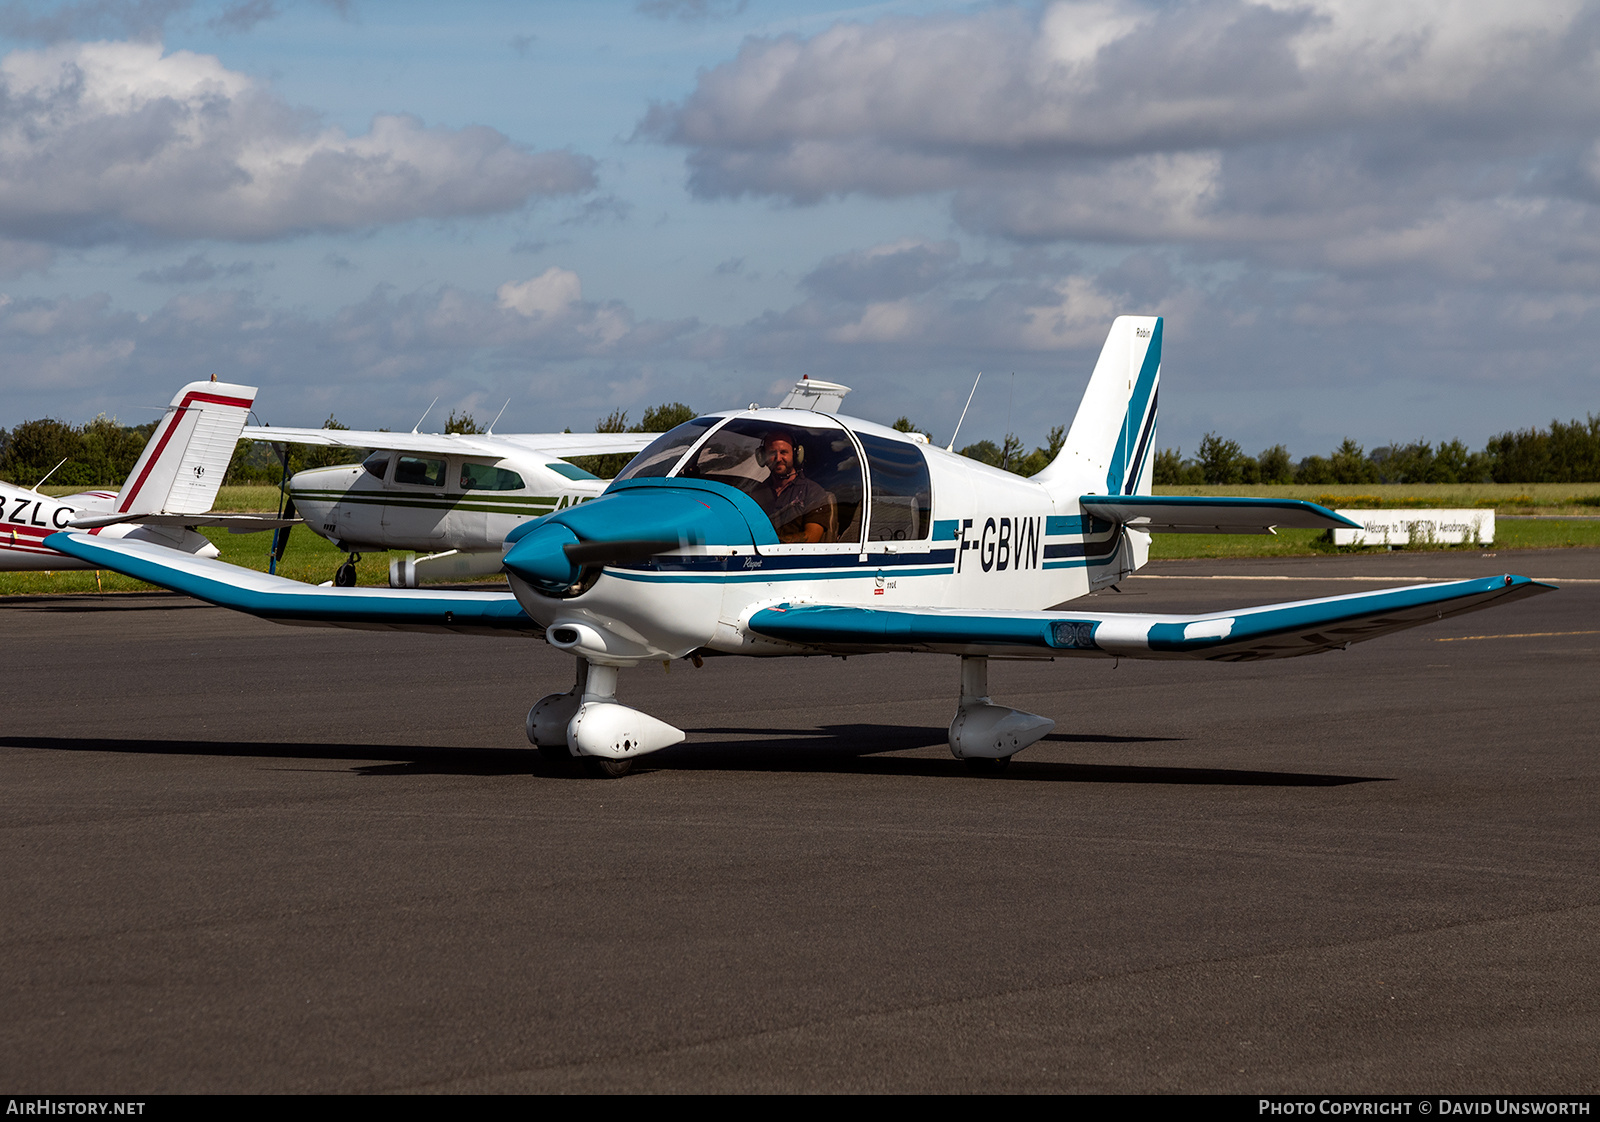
772 532
455 497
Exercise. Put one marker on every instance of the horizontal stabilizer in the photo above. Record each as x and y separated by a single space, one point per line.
288 601
1180 514
1271 631
238 523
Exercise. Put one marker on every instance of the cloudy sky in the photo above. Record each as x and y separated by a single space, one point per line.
1370 218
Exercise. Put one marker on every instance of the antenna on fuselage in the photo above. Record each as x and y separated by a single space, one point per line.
951 447
47 475
497 417
1005 453
424 416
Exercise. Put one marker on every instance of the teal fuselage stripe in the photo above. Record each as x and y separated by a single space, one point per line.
866 572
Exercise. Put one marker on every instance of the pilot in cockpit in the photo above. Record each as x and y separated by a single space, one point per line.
801 511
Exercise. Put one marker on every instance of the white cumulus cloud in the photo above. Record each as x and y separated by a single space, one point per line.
100 139
1278 130
550 293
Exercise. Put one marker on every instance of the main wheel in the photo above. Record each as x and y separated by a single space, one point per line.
345 577
602 767
987 765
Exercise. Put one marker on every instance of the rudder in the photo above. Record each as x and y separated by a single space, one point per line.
183 462
1110 449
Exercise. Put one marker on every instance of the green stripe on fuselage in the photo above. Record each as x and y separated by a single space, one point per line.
511 504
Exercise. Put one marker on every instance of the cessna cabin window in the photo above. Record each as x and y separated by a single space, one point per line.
570 471
664 452
816 500
419 472
902 497
377 464
487 477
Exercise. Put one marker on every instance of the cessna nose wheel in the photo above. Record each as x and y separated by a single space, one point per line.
345 577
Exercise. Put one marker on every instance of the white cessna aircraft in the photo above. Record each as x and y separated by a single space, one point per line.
168 493
773 532
454 497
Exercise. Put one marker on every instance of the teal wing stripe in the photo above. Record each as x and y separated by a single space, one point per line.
1273 631
283 600
1346 619
825 625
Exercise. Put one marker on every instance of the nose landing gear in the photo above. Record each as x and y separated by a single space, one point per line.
345 576
587 723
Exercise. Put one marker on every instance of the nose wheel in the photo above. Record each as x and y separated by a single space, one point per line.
588 725
345 575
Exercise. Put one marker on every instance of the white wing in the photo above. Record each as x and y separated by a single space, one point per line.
553 444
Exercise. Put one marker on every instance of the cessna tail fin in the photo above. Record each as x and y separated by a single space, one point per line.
185 459
1110 449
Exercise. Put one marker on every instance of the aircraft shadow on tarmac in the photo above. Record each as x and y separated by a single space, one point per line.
112 602
846 749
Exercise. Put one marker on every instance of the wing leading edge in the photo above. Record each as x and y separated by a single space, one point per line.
554 444
1270 631
288 601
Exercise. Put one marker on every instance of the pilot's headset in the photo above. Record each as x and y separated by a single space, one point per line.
789 438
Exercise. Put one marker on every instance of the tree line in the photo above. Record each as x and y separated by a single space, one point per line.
1563 453
102 452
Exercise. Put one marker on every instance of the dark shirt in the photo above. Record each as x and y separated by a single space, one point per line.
789 505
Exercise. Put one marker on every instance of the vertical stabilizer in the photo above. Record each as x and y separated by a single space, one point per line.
1110 449
185 459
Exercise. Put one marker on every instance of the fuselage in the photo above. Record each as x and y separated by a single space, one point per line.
432 503
920 527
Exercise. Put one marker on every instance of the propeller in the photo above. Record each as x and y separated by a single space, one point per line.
280 536
586 554
552 556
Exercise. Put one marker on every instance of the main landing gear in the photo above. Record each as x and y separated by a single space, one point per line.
345 575
986 735
586 723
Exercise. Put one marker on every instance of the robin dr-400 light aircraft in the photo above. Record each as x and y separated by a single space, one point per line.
773 532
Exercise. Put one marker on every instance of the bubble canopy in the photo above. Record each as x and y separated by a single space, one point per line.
733 449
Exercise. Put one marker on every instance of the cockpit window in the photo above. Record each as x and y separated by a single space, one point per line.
902 498
664 452
486 477
570 471
807 478
419 471
377 464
